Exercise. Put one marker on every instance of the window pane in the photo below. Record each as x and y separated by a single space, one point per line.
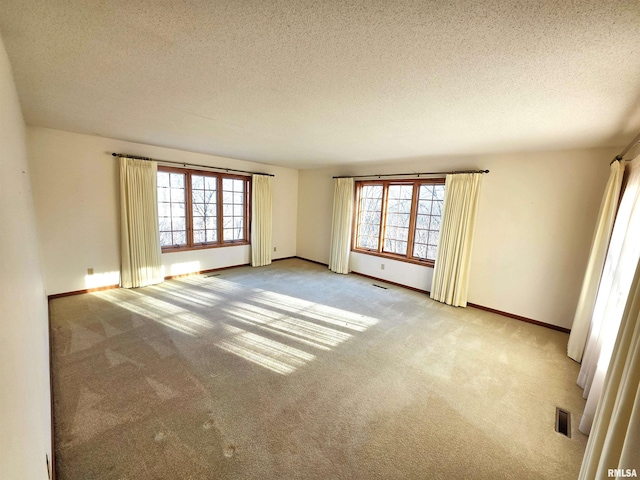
391 232
179 238
198 236
177 180
163 179
211 210
197 182
178 223
424 207
165 239
398 218
369 214
426 191
164 223
171 208
177 195
364 242
406 191
164 194
205 197
177 210
422 221
372 191
430 202
197 196
205 188
233 209
395 246
420 251
211 183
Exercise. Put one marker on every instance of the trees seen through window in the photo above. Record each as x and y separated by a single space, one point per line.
399 219
201 209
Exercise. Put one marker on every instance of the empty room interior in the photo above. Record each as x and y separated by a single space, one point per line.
332 240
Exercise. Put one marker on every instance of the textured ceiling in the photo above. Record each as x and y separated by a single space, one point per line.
315 83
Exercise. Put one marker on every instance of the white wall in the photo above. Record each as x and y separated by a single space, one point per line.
76 192
535 222
25 416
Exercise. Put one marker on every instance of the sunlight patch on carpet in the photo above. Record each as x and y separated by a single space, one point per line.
287 324
298 322
163 312
267 353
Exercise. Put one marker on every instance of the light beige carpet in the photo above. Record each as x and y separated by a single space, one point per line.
293 372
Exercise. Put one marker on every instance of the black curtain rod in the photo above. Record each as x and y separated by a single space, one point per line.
135 157
411 174
621 155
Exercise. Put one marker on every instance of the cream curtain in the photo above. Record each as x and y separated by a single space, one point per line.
614 442
617 276
139 238
599 245
261 220
453 257
343 193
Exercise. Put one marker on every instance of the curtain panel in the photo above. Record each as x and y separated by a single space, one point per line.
141 263
341 225
261 220
613 292
599 246
453 257
614 442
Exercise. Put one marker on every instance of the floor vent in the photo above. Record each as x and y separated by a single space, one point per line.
212 275
563 422
379 286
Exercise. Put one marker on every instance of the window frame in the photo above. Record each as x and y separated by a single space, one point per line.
188 172
379 252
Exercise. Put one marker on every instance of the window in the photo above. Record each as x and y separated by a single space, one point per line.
201 209
399 219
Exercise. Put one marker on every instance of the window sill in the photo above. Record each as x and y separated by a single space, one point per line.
399 258
205 247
